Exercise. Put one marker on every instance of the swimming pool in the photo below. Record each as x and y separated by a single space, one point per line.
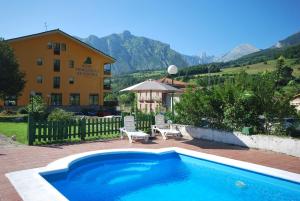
170 174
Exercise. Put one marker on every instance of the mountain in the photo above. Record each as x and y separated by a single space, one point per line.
288 47
196 60
135 53
237 52
289 41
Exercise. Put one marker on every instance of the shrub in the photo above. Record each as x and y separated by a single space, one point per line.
60 115
294 131
22 110
37 105
236 103
14 118
7 113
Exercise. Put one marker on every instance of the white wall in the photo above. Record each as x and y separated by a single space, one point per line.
284 145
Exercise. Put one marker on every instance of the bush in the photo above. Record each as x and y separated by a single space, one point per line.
37 105
22 110
60 115
236 103
14 118
293 132
7 113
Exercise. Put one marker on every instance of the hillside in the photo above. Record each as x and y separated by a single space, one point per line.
267 54
258 68
289 41
135 53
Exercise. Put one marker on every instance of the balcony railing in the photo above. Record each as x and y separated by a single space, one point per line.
107 71
107 87
148 100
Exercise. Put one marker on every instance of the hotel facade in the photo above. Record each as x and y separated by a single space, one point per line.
61 69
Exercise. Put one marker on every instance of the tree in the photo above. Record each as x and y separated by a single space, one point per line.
236 103
111 97
11 78
283 73
126 99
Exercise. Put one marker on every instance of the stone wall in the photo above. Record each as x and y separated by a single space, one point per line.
286 145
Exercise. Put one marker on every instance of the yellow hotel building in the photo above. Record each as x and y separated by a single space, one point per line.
62 69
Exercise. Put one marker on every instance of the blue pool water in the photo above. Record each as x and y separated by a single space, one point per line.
169 177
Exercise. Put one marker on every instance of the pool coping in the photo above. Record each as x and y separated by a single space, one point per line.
31 186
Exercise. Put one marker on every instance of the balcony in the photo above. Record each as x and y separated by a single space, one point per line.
107 84
107 87
107 70
148 100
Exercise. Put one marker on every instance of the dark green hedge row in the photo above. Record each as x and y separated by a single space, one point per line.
14 118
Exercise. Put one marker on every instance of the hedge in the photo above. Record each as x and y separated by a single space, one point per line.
14 118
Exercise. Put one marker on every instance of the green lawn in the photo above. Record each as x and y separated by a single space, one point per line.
19 129
257 68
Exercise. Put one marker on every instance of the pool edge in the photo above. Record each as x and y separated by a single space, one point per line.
31 186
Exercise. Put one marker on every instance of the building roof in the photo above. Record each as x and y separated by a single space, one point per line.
151 85
67 35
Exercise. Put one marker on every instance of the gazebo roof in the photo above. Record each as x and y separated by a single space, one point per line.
151 85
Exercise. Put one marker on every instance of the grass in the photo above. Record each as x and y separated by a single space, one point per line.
258 68
19 129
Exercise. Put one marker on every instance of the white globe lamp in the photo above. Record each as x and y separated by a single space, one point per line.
172 70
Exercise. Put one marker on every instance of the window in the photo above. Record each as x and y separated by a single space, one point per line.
10 101
56 82
39 62
39 79
88 60
71 80
56 99
56 49
74 99
71 63
49 45
94 99
56 65
63 46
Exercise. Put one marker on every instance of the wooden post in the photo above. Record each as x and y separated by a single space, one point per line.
30 130
82 129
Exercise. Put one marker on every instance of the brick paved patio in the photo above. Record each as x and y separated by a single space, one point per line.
25 157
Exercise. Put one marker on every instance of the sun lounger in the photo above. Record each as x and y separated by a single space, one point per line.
164 129
131 132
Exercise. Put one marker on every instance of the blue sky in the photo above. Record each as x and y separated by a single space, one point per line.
189 26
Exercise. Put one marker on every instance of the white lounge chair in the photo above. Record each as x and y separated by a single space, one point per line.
164 129
130 130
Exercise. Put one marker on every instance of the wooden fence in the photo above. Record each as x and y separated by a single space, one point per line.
81 129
